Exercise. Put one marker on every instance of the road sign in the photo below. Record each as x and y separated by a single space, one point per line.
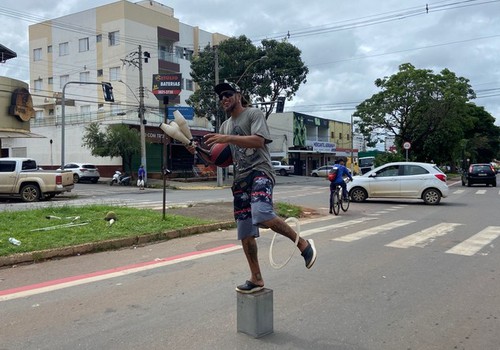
166 85
406 145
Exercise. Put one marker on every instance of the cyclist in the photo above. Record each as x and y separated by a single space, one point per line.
336 177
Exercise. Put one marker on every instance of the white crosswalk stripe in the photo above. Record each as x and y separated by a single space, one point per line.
477 242
373 231
421 239
424 237
480 191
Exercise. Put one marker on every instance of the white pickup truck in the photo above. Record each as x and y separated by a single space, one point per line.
282 169
21 177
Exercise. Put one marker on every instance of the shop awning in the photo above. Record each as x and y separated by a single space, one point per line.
10 134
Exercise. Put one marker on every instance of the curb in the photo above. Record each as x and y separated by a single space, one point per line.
87 248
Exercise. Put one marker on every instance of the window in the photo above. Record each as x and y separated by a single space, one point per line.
392 170
332 135
50 81
51 111
340 136
7 166
98 38
63 79
414 170
113 38
39 115
85 111
38 84
49 49
37 54
83 44
64 49
189 84
84 77
114 73
99 72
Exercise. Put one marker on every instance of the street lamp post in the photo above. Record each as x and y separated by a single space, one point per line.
352 145
63 114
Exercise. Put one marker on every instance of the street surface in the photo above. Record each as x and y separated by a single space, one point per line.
389 275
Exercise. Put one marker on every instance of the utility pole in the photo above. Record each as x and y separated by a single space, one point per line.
142 127
217 115
137 61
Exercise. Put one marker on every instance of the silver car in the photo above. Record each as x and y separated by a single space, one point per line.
401 180
322 171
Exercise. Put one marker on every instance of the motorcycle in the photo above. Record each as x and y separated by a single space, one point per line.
120 179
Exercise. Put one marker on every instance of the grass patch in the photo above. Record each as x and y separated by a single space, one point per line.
36 232
286 210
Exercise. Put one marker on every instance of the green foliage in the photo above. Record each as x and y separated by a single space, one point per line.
131 222
118 141
388 157
433 112
262 79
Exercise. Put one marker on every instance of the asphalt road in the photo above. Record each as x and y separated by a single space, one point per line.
389 275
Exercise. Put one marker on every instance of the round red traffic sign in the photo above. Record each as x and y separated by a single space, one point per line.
406 145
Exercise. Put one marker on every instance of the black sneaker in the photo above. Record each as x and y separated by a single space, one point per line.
309 254
248 287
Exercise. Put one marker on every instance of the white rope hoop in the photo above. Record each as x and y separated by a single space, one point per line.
297 229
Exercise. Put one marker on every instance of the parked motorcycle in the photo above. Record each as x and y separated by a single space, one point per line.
120 179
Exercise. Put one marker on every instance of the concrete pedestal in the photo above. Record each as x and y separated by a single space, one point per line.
255 313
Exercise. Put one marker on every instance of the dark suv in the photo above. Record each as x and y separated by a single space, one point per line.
479 174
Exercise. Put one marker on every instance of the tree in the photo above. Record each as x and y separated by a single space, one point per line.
426 109
263 73
118 141
482 140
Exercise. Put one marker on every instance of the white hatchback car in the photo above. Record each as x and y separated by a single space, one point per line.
400 180
83 171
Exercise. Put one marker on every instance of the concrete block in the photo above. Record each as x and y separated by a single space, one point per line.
255 313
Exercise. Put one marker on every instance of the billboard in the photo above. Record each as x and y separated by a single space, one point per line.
167 85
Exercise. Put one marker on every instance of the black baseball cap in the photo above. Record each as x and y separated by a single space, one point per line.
226 86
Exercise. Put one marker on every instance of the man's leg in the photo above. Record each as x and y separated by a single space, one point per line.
250 249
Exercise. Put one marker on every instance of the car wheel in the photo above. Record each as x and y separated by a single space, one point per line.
283 172
76 178
30 193
463 182
314 175
358 194
431 196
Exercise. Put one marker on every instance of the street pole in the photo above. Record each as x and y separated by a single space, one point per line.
217 116
142 126
352 146
63 115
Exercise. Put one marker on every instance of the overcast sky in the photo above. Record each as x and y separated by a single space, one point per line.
346 44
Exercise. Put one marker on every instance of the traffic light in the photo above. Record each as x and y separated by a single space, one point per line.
107 90
280 105
147 56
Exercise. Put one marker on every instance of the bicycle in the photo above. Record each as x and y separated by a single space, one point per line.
337 202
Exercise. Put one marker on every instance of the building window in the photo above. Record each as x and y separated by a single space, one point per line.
37 54
189 85
98 38
83 44
38 85
51 111
63 79
64 49
38 114
49 49
84 77
114 73
340 136
99 73
50 81
332 135
85 111
113 38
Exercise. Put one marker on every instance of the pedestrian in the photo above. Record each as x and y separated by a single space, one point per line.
336 177
141 175
247 132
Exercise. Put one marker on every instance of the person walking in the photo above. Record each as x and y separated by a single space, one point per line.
336 177
141 175
247 133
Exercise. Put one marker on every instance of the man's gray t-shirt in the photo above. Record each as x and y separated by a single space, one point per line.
250 122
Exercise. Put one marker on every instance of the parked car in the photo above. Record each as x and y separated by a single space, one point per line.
282 169
479 174
322 171
401 180
83 172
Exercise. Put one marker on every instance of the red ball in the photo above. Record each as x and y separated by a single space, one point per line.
220 155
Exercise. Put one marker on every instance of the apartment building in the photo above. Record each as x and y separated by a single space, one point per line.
77 52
